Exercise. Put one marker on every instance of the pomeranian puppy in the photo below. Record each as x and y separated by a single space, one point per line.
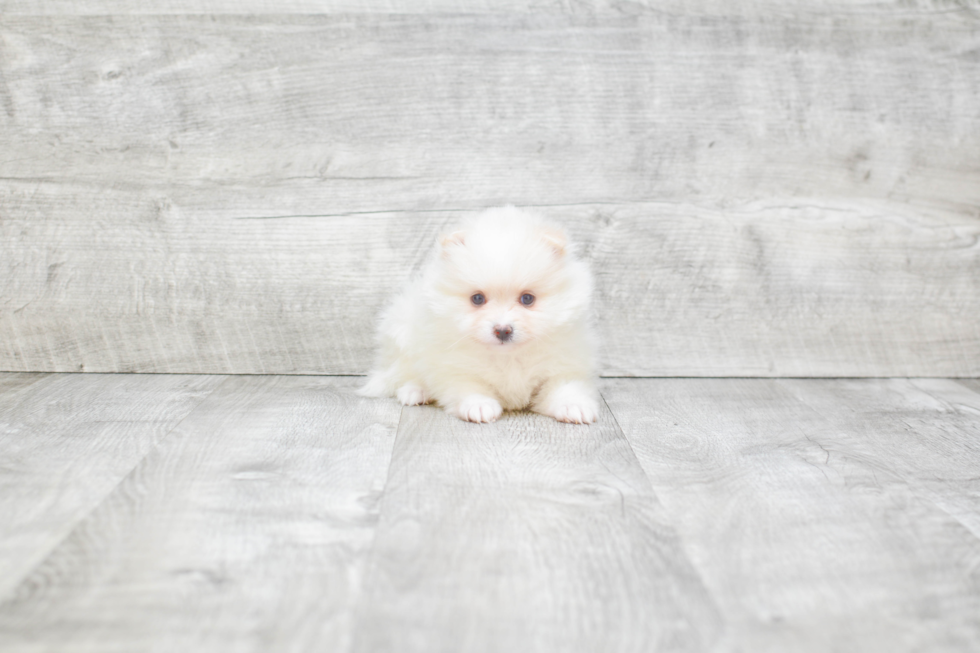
497 320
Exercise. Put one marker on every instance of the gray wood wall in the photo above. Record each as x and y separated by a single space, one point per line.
787 189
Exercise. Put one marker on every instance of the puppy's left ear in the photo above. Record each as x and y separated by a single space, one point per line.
555 238
452 240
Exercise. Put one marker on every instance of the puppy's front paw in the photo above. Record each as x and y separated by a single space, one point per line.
478 408
573 403
583 413
411 394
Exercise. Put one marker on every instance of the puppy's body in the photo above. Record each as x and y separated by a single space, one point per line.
498 320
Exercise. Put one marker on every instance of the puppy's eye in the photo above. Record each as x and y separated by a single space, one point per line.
527 299
478 299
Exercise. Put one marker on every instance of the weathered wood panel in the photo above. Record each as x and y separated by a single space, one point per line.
823 515
525 535
683 290
132 146
278 7
245 530
66 441
376 112
797 8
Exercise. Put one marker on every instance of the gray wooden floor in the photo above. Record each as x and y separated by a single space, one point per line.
284 513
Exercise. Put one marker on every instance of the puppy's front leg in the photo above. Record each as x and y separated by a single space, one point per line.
471 405
575 402
412 394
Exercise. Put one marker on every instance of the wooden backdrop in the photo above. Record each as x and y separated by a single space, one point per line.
763 188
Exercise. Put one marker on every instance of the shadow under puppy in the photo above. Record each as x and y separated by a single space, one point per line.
497 320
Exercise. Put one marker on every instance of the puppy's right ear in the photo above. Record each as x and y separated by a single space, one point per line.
452 240
555 238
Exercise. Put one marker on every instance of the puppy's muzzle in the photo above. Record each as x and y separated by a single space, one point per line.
504 332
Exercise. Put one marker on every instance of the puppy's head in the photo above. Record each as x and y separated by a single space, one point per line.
508 277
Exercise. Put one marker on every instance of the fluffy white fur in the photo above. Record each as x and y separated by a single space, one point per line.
436 345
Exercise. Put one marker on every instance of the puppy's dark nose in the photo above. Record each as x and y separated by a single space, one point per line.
503 332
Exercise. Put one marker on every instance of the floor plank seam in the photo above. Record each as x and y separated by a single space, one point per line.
629 444
96 505
370 552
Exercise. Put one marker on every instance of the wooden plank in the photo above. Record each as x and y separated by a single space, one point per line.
525 535
243 530
810 506
776 290
192 293
762 289
930 436
973 384
66 441
378 112
126 7
135 146
706 7
13 385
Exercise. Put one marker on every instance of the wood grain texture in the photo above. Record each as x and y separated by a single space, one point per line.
706 7
129 7
525 535
241 532
282 514
764 289
823 515
66 441
930 438
135 146
973 384
383 112
14 385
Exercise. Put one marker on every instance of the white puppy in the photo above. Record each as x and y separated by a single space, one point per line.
497 320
